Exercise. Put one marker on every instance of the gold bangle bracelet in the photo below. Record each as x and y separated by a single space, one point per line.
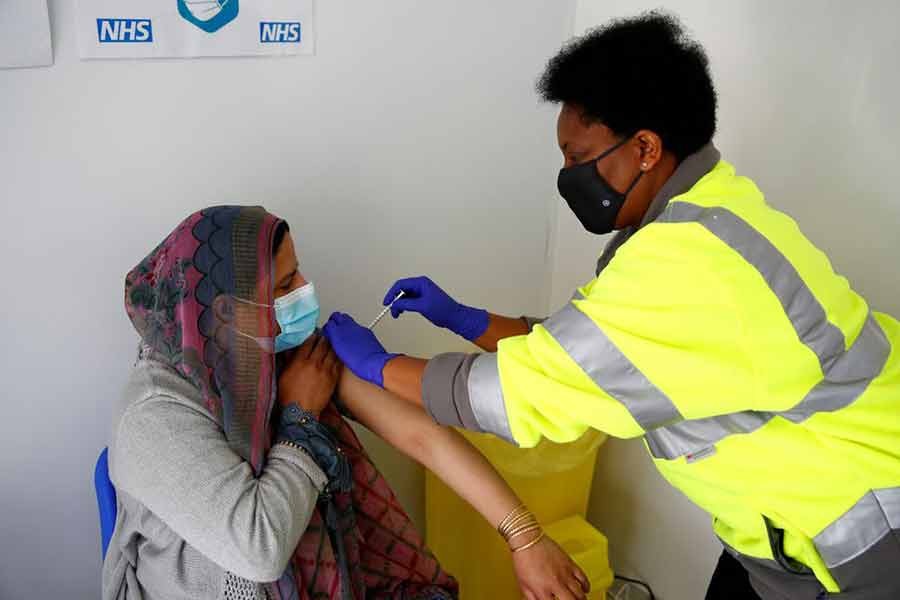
529 544
516 523
509 522
517 510
523 531
530 523
513 514
526 523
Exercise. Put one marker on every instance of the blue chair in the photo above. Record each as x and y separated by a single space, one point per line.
106 499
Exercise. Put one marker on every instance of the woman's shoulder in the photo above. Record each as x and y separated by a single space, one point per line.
153 379
156 407
157 393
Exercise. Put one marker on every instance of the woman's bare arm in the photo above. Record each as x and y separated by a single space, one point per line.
543 569
439 449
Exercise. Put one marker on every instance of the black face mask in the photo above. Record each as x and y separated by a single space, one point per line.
593 200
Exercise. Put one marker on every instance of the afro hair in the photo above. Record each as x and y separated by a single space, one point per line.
638 73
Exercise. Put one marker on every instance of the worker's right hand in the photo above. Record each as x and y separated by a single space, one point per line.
423 296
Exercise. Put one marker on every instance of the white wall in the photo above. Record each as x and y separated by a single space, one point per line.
808 97
397 149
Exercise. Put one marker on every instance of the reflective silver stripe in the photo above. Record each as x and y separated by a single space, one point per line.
611 370
889 499
765 562
486 397
851 535
847 374
860 528
805 312
577 295
850 375
691 437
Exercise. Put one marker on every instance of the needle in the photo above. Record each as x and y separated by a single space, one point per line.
386 309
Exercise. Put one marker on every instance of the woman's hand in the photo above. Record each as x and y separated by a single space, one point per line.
310 375
545 572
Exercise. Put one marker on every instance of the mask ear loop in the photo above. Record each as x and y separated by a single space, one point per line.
640 172
252 303
611 149
265 344
633 183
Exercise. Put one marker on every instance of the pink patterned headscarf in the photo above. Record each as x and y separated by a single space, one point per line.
180 300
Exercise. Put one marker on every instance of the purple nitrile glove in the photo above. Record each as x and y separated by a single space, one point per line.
357 347
423 296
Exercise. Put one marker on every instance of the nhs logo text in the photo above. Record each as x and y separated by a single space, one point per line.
124 30
275 32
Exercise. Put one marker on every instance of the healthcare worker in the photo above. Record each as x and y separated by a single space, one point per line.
765 388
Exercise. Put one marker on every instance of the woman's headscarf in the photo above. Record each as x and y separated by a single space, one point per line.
188 300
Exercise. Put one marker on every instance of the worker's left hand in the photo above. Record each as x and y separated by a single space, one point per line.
357 347
544 571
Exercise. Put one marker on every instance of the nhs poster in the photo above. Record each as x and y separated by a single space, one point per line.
192 28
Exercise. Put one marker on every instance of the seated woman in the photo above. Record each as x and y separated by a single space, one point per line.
236 476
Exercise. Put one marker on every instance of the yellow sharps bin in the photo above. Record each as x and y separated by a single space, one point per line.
554 481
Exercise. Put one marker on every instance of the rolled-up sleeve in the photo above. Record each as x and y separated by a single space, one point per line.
531 388
464 390
445 390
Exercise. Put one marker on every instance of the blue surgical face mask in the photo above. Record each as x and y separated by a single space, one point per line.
297 314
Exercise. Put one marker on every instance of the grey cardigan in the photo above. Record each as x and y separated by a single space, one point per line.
193 520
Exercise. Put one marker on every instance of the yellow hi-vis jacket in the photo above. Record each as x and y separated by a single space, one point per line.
765 388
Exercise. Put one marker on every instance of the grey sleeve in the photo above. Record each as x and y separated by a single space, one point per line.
445 386
464 390
445 390
174 458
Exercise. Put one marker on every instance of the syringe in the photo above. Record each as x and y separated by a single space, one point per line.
386 309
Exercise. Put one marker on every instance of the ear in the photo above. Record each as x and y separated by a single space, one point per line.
223 308
650 147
